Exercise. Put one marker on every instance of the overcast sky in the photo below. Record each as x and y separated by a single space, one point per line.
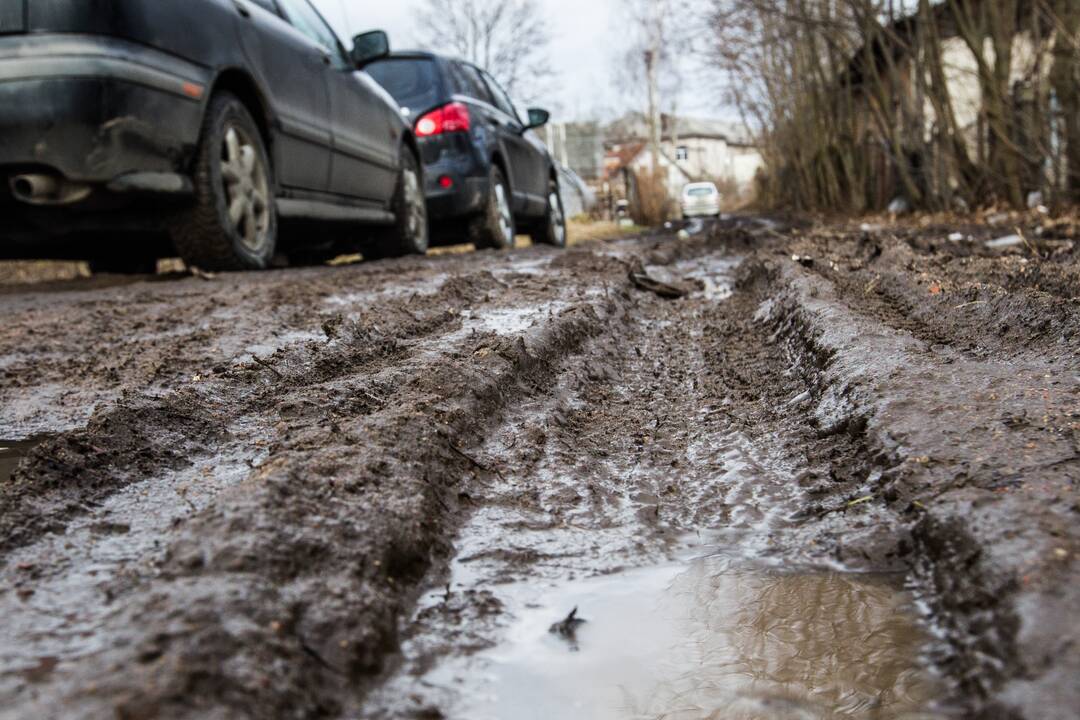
583 51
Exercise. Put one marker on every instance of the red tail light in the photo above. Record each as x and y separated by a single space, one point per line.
447 119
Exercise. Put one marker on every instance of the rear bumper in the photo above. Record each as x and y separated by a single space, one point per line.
94 109
467 197
690 211
453 157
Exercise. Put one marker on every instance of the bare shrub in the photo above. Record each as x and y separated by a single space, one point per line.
650 204
862 101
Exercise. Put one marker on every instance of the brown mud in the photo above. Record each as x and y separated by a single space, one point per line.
328 492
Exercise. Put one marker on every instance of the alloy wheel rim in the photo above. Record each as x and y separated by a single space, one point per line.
506 218
416 209
247 189
558 219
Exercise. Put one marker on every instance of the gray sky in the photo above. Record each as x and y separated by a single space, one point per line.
583 54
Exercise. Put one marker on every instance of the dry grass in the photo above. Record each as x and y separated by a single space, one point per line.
599 230
20 272
578 231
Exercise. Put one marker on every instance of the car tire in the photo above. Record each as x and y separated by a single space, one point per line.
552 230
409 235
233 224
495 226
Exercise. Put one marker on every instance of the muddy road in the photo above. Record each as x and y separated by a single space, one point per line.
760 472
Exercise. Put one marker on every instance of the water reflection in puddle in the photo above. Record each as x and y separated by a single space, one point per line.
12 452
702 641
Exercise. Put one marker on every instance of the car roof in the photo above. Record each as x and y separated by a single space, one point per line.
428 55
413 55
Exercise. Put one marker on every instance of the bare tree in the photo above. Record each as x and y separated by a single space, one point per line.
508 38
855 98
650 61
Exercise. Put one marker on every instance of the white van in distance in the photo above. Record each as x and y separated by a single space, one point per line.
701 200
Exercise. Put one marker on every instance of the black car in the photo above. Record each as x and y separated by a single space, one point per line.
487 174
135 129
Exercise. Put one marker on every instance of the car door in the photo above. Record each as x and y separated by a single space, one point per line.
292 70
365 141
500 130
367 138
529 158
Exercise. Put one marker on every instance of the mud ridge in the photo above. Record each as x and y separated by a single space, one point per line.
65 475
284 594
947 485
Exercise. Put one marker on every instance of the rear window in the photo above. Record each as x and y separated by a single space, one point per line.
414 83
701 192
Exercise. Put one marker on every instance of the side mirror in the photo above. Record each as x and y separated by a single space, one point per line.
538 118
369 47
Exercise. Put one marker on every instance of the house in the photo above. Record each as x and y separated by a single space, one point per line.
940 146
624 162
692 149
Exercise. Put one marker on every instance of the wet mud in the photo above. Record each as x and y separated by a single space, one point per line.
11 454
779 472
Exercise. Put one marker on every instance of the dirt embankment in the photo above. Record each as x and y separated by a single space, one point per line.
279 464
956 375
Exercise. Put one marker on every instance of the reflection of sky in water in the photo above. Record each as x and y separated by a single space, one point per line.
703 642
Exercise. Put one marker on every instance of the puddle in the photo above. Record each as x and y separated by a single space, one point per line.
508 321
12 452
696 640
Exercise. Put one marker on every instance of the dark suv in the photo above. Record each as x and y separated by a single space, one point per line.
487 174
133 129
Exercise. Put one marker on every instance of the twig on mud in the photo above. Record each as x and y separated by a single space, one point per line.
970 304
476 463
259 361
374 399
318 658
1029 246
860 501
824 512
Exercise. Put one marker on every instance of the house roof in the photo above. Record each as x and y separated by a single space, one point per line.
902 35
622 155
634 127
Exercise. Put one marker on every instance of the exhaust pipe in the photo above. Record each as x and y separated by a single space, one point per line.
35 188
42 189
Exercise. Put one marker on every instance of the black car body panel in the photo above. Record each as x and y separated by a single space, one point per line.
95 108
169 26
112 94
422 82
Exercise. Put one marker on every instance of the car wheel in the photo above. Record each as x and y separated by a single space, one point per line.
233 225
495 227
553 229
409 233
